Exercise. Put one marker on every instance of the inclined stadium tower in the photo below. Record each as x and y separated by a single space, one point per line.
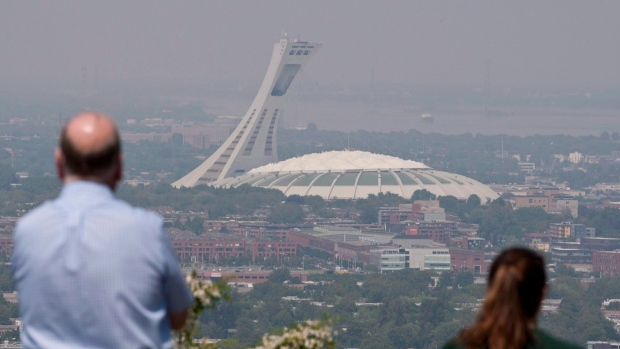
249 156
253 142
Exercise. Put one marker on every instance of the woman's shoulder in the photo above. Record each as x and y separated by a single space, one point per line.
544 340
452 344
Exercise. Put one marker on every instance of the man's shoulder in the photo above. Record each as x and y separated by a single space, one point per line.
36 215
120 208
138 212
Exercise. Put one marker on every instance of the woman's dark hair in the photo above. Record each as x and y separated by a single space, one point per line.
515 290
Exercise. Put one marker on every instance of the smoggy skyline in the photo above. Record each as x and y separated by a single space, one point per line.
542 45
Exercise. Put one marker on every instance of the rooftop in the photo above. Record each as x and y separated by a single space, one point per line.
339 161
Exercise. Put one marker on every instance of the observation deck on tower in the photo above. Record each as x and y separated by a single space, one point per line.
253 142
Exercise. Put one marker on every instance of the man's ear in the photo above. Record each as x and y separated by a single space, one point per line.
60 164
118 171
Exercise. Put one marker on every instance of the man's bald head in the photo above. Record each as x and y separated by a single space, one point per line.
90 145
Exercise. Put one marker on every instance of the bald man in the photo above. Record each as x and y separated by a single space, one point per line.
92 271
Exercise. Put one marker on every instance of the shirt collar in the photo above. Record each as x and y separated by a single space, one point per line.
86 189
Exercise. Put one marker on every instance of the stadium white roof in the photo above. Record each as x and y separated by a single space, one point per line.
339 161
356 174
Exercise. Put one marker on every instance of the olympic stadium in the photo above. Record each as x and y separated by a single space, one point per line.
250 154
356 174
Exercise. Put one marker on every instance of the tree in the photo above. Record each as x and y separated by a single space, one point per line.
605 136
446 279
473 201
423 194
177 138
449 203
464 278
7 176
368 213
287 213
280 275
196 225
295 199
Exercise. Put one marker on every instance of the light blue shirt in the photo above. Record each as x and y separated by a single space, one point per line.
95 272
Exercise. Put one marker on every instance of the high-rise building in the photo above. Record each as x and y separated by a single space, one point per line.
253 142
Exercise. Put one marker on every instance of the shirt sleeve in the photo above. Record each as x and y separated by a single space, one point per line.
176 292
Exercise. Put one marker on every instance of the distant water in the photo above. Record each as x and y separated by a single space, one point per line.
348 116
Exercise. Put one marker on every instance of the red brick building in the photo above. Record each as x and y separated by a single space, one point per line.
6 245
309 240
201 249
606 262
468 260
262 250
436 231
247 276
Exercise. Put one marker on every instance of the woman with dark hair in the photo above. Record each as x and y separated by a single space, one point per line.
507 320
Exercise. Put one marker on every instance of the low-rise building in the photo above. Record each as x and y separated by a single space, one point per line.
541 201
538 241
577 257
421 258
192 248
263 250
467 242
389 260
468 260
245 276
607 187
606 262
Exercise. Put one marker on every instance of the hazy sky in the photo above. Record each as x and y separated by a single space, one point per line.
573 44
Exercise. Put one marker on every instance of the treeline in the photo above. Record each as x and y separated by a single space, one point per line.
408 312
7 310
498 222
217 202
476 156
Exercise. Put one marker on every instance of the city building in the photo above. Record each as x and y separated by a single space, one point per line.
575 158
574 256
600 244
566 204
201 136
189 247
538 200
467 242
527 167
263 250
247 276
607 187
602 345
424 258
6 246
389 260
468 260
606 262
436 231
421 210
146 137
561 230
538 241
550 199
253 142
